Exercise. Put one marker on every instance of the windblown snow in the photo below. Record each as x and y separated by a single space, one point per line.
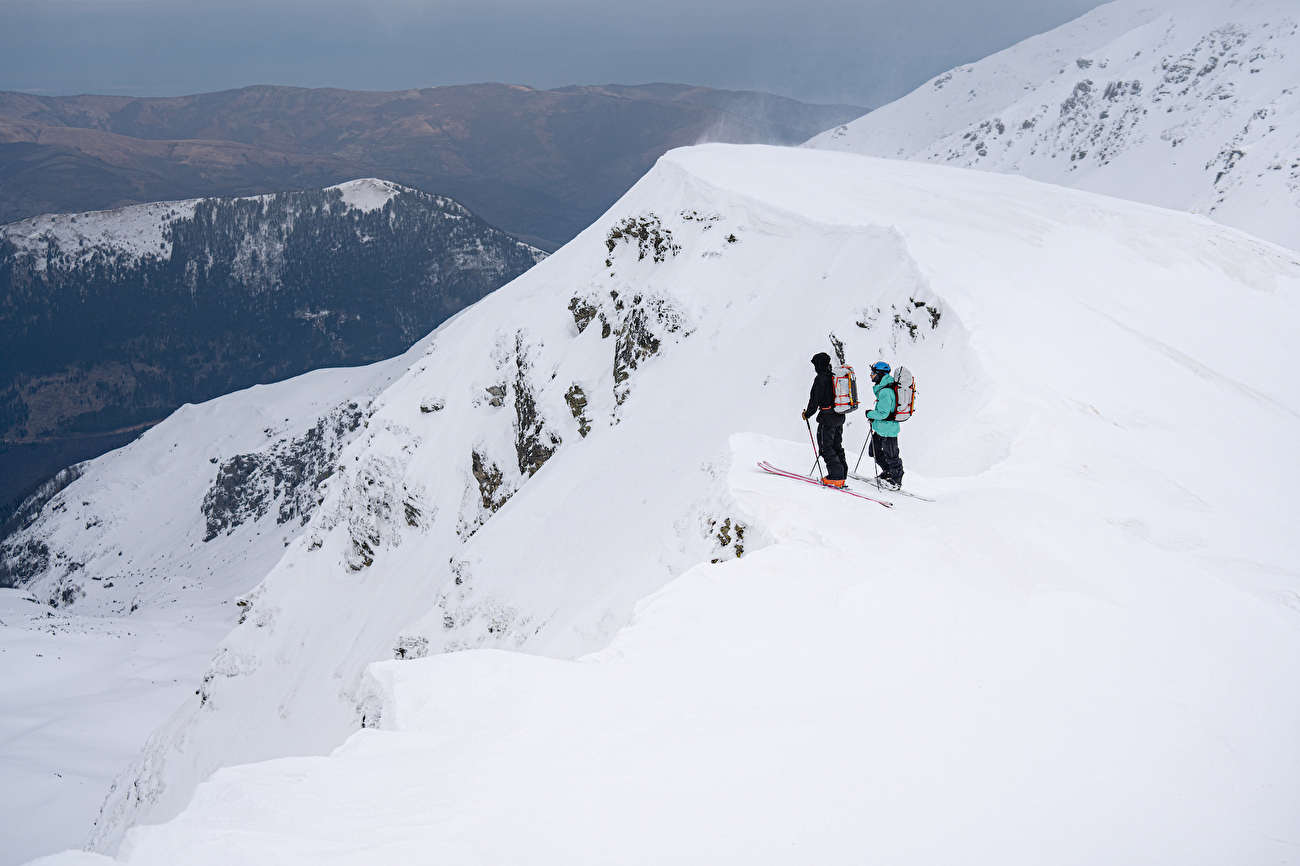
1186 104
550 611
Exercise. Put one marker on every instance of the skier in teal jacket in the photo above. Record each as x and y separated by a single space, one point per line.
884 429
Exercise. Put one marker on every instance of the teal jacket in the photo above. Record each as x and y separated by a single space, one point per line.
884 406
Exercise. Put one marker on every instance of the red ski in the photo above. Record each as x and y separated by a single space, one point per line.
768 467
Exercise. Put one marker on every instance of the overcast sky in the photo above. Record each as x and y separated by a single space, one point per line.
864 53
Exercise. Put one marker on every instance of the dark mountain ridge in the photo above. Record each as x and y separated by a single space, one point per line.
542 164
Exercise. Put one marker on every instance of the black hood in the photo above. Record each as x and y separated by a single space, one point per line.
821 362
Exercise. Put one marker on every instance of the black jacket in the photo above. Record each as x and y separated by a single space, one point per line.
821 399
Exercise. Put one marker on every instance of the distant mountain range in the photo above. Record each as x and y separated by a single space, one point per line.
1186 105
110 320
541 164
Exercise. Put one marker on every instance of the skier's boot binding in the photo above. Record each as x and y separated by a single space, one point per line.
886 484
831 482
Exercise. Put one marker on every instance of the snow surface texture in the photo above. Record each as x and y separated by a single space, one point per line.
1083 652
1187 104
129 598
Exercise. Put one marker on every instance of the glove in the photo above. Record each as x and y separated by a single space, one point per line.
804 414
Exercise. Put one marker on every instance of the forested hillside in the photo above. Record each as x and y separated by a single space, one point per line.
110 320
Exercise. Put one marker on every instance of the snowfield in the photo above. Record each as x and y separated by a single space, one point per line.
1186 104
550 611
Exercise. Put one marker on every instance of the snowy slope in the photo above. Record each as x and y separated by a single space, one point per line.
1186 104
133 232
128 596
979 694
368 193
1080 653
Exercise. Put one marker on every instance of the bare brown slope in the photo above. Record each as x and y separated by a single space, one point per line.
541 164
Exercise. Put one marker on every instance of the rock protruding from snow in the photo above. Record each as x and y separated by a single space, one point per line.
1186 105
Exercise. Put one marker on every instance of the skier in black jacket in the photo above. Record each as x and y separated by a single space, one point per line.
830 424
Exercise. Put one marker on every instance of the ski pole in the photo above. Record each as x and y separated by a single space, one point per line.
864 450
816 454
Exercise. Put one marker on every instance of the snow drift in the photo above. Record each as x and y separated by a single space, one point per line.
1080 653
1187 105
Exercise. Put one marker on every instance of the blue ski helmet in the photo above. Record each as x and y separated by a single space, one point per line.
880 367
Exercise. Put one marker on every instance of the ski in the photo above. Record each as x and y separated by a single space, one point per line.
873 483
769 468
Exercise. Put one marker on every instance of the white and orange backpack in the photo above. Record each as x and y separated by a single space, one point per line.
846 389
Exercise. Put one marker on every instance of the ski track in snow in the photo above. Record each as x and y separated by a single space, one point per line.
1190 104
1082 652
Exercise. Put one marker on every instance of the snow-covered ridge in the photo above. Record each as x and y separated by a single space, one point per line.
1084 588
1187 105
494 502
367 193
136 231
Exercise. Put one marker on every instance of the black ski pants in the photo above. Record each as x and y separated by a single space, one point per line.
885 450
830 442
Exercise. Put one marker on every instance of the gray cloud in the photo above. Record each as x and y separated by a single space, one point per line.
865 52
